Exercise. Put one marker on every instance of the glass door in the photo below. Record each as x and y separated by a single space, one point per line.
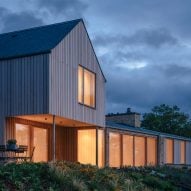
40 142
22 135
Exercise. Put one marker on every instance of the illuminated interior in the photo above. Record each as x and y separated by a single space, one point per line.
182 151
127 150
86 87
169 150
41 145
114 150
22 135
151 151
139 151
33 136
87 146
101 158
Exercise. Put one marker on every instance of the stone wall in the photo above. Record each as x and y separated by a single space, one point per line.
132 119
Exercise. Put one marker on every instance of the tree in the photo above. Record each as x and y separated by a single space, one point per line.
167 119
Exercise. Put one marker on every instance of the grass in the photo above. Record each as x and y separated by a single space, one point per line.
67 176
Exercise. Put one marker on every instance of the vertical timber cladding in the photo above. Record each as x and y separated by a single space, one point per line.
74 50
66 143
24 87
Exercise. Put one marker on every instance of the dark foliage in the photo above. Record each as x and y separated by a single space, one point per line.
167 119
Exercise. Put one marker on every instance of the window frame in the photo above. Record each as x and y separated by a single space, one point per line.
95 77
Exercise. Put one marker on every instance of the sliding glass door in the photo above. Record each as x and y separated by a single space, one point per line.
33 137
40 142
23 136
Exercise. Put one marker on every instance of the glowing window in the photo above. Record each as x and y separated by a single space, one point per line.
182 151
23 135
127 150
86 87
41 144
151 151
101 155
139 151
169 150
114 150
87 146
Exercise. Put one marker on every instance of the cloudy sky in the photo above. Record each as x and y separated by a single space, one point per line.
144 46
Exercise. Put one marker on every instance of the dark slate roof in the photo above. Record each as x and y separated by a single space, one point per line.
119 126
35 40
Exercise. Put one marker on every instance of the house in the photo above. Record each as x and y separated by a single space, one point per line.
52 96
128 144
52 92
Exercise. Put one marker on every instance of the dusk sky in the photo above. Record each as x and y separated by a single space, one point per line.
143 46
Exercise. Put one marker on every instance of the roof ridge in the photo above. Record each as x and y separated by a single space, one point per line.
42 26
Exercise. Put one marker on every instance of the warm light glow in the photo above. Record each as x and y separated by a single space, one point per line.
101 154
182 151
151 151
127 150
87 146
169 150
89 88
23 135
139 151
86 87
41 146
114 150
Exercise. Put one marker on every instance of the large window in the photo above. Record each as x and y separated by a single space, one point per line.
127 150
139 151
87 146
33 137
114 150
101 150
151 151
169 148
23 135
86 87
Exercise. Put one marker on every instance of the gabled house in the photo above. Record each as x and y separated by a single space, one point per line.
52 97
52 92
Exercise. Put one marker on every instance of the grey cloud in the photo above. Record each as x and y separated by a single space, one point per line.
176 71
154 38
69 8
16 21
144 92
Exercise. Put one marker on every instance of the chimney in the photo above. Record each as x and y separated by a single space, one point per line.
129 118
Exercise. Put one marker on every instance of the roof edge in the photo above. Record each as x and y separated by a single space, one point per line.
42 26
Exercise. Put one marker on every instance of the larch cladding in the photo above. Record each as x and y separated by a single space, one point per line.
23 87
74 50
